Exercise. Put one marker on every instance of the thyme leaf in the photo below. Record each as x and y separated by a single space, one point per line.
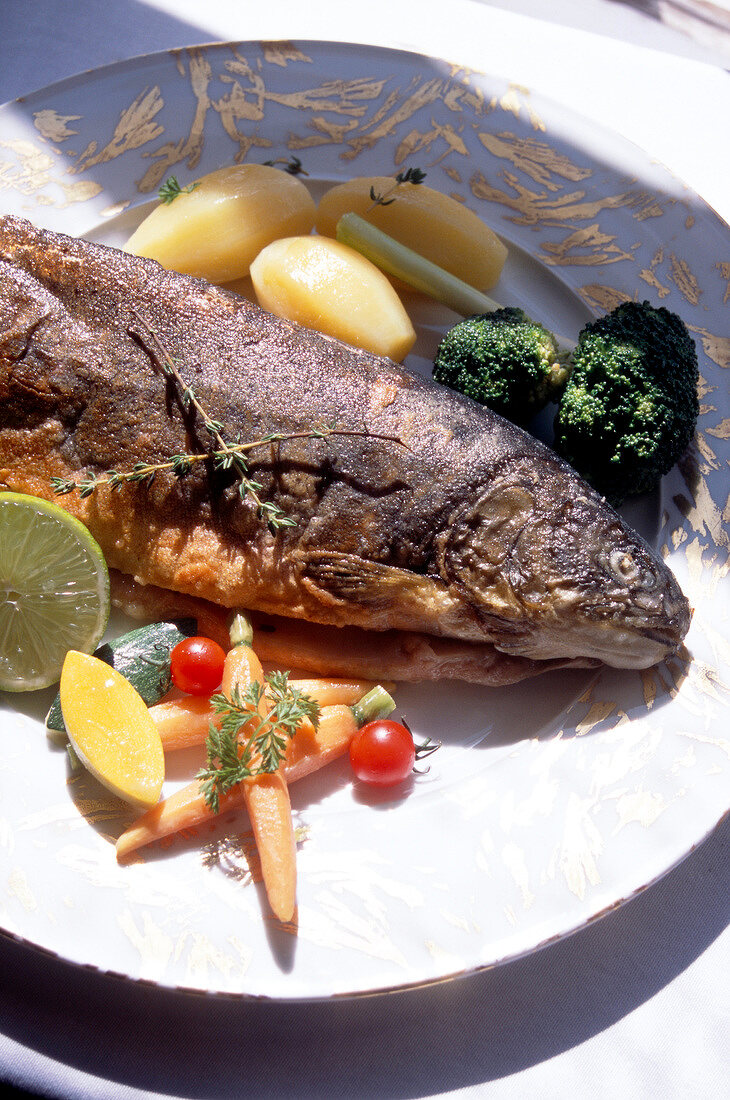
251 733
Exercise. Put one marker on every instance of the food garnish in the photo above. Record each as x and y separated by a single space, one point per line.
266 732
142 656
226 456
292 165
171 189
307 752
54 591
268 712
186 721
385 198
110 729
196 665
383 753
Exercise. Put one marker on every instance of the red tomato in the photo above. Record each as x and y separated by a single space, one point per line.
382 753
196 665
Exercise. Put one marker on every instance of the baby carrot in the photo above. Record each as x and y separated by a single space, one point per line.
185 722
266 796
307 752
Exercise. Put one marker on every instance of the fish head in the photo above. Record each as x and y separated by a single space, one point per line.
551 570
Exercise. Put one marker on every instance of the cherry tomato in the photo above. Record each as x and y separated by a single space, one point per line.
382 753
196 665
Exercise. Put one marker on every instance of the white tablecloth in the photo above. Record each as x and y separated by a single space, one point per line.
636 1005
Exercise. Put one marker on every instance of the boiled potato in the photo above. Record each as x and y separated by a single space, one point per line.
216 230
431 223
327 286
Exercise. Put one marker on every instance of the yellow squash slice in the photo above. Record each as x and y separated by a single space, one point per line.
110 729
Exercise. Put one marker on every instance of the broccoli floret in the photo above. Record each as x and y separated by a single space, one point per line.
630 405
504 360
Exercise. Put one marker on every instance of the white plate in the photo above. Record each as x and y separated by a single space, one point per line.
550 802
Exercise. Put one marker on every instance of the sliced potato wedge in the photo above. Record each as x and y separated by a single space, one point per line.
327 286
433 224
216 230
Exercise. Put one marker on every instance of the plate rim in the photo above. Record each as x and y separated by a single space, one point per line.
554 108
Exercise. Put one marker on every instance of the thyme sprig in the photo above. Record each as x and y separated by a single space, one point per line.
411 175
225 455
268 715
170 190
292 165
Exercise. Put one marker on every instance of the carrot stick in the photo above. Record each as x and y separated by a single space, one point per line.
307 752
182 722
269 809
185 722
266 796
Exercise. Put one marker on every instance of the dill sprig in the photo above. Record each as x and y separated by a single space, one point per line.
268 715
411 175
171 189
225 455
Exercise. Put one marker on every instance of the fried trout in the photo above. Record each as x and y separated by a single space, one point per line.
417 511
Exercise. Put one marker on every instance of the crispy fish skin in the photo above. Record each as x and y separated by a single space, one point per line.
457 524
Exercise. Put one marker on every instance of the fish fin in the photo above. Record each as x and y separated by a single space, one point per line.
349 579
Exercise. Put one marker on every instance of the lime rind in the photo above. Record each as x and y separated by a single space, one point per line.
54 591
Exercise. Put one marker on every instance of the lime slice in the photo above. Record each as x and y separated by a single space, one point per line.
54 591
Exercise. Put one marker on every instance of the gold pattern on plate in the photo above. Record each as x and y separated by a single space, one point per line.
684 280
721 430
135 127
602 299
202 956
54 127
576 858
517 98
31 170
281 53
189 147
537 159
395 111
154 946
586 247
716 348
638 807
421 141
724 269
18 888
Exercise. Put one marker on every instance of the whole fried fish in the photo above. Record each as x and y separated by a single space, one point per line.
421 511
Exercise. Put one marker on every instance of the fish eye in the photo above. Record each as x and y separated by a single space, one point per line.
623 567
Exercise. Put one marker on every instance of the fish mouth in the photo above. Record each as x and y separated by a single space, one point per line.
548 575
